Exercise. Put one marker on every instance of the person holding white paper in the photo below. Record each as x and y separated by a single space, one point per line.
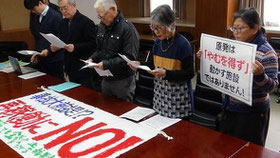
239 119
46 20
79 34
115 35
173 62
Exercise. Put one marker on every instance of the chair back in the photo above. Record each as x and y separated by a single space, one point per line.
10 48
207 104
144 91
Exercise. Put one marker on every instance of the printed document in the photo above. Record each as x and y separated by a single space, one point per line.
159 122
28 52
99 71
54 40
103 72
138 113
32 75
88 64
143 67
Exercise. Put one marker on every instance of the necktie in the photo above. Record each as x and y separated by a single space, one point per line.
69 26
41 18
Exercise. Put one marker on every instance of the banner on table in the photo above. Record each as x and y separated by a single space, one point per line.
48 124
226 66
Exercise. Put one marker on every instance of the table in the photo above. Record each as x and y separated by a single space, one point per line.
190 140
256 151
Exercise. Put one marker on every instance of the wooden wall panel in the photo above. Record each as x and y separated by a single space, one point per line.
13 15
0 24
190 10
233 6
211 17
18 35
130 8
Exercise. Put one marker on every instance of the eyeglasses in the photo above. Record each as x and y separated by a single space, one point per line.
156 28
237 29
102 16
64 8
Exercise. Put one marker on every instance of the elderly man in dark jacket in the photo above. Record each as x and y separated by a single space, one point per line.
115 35
79 34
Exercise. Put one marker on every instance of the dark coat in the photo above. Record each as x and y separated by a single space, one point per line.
82 33
120 37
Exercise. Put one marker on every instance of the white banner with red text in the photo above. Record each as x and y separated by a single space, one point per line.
48 124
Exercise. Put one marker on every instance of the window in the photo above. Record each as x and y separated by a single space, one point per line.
156 3
271 13
179 6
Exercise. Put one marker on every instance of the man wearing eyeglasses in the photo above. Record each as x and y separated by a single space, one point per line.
115 35
79 34
46 20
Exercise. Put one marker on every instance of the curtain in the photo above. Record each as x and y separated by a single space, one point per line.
258 4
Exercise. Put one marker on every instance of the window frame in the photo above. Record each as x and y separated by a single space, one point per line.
269 22
178 5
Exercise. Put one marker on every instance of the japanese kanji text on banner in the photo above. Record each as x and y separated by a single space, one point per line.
49 125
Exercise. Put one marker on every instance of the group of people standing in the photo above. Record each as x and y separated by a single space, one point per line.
171 62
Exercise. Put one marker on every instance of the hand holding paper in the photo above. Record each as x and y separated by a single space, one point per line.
99 71
88 64
54 40
143 67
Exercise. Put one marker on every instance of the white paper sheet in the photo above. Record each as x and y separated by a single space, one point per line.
99 71
28 52
32 75
159 122
143 67
88 64
103 72
55 111
54 40
138 113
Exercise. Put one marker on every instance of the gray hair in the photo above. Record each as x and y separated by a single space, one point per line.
107 4
164 15
70 1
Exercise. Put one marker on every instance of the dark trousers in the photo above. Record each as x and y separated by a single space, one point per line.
96 82
252 127
54 69
84 81
122 89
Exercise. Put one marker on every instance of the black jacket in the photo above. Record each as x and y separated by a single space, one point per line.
120 37
82 33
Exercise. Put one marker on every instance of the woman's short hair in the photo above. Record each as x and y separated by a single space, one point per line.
107 4
164 15
249 15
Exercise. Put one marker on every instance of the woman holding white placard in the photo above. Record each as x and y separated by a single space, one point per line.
239 119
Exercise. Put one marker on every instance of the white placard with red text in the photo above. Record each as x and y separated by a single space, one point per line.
49 124
226 66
